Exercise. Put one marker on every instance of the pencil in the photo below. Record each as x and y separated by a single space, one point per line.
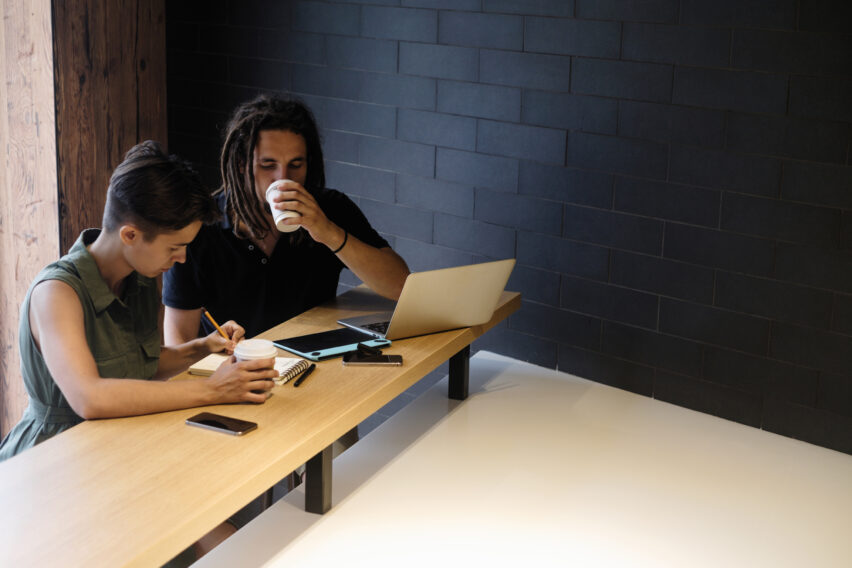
216 325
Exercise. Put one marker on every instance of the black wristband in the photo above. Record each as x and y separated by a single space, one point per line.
343 244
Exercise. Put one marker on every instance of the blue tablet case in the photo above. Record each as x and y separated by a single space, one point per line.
328 344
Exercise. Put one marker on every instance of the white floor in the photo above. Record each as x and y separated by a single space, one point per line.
540 466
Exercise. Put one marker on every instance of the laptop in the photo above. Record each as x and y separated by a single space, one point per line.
438 300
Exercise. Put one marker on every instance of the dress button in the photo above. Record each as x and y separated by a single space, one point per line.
251 247
263 261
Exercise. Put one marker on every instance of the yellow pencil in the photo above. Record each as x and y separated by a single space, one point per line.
216 325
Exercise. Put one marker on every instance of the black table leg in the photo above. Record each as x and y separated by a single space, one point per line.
460 374
318 482
266 502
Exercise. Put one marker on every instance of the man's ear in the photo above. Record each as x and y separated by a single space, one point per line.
129 234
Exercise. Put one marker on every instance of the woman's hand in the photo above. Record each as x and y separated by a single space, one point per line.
242 381
216 343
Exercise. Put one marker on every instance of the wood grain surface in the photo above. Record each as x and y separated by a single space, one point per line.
136 491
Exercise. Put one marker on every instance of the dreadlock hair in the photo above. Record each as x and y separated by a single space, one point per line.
266 112
156 192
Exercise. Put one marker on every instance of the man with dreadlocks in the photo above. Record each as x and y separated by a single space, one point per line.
246 270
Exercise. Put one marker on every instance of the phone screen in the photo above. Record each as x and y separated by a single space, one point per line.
355 358
221 423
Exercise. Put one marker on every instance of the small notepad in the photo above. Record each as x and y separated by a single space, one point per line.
287 367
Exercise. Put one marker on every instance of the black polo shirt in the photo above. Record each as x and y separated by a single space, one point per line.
235 280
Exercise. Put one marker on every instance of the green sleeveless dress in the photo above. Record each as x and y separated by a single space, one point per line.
122 334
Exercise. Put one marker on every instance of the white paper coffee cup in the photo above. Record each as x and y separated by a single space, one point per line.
277 214
251 349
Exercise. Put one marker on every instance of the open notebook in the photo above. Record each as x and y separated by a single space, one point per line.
287 367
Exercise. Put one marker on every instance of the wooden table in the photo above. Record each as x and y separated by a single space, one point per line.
136 491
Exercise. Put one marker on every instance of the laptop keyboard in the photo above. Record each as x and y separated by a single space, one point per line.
379 326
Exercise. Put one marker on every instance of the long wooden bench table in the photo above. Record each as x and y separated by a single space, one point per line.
137 491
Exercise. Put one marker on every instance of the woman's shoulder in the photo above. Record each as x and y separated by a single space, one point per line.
63 269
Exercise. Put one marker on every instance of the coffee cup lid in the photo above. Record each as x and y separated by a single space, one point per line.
255 349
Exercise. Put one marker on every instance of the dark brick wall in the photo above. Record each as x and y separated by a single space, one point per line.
673 176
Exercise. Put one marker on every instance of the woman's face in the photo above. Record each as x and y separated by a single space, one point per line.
154 257
278 154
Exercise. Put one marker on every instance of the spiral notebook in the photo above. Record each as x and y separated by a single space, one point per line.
287 367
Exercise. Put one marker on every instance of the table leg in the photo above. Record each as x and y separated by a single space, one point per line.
318 482
460 374
266 502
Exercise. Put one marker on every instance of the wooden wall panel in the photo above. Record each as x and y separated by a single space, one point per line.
111 93
152 120
29 232
73 100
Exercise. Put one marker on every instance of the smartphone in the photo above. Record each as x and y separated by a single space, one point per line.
221 423
356 358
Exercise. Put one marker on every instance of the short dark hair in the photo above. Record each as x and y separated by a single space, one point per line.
156 192
266 112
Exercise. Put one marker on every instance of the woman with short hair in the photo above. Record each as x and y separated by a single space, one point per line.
89 335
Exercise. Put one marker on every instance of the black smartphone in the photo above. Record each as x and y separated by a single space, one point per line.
356 358
221 423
